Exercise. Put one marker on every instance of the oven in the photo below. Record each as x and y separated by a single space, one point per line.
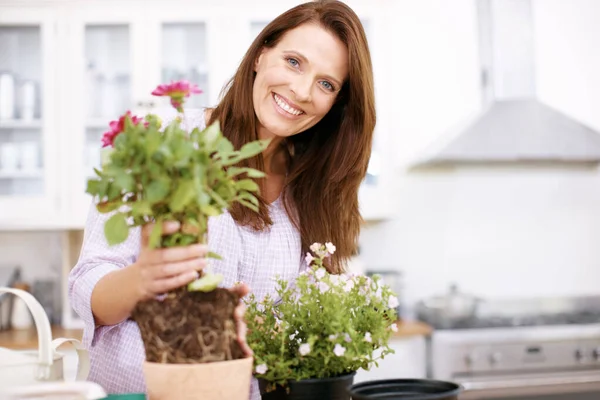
584 385
521 358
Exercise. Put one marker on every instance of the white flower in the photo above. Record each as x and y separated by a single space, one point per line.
393 302
309 258
394 327
320 273
349 286
378 293
368 337
335 279
261 369
339 350
292 336
323 287
330 247
315 247
332 337
304 349
348 338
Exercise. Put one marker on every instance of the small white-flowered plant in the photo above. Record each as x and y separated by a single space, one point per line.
321 325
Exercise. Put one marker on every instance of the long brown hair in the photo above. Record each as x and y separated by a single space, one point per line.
329 160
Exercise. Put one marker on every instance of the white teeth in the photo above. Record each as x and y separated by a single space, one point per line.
281 103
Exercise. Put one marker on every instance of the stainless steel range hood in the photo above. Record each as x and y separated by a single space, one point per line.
514 125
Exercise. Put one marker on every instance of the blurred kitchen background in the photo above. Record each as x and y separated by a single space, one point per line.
484 173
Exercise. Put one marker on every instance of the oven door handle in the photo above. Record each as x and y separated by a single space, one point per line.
530 382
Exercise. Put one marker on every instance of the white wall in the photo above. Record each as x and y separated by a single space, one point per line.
503 232
568 57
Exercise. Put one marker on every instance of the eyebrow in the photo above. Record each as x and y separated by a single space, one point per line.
303 57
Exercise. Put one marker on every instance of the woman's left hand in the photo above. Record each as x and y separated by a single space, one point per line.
242 289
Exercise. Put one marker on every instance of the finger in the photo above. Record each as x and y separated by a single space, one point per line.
242 329
177 254
239 312
174 282
162 271
241 289
168 228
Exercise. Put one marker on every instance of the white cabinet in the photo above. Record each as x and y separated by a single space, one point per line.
28 125
408 361
90 61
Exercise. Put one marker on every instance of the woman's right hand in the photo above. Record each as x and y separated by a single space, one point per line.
161 270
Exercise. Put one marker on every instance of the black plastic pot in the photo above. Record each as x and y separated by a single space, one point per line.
335 388
405 389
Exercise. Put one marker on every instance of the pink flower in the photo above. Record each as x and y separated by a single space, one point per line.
177 91
117 127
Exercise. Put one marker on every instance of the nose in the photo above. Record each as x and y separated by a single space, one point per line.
302 88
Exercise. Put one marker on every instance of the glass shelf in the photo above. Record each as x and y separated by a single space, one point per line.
21 125
107 86
184 56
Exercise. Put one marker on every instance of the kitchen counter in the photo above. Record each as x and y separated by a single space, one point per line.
23 339
27 338
407 329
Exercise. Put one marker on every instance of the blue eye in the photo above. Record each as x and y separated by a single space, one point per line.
293 62
327 85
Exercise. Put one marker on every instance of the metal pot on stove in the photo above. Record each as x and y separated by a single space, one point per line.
448 310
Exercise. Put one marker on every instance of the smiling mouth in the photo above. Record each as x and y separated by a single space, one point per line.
280 101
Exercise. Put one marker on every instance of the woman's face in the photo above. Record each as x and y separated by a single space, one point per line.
298 80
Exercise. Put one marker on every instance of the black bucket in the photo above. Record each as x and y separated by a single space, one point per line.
405 389
335 388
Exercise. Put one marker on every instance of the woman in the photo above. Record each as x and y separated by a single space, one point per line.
305 83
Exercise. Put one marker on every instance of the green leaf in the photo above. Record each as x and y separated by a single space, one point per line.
108 206
218 199
183 195
116 229
157 190
125 181
253 148
207 283
211 134
248 204
203 198
246 184
141 208
114 191
152 141
93 187
156 233
210 210
252 173
250 197
214 255
224 146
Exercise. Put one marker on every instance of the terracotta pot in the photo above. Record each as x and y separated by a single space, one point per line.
225 380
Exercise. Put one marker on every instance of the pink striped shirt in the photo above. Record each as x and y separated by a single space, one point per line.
251 257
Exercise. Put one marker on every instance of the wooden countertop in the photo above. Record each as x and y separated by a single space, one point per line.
412 328
22 339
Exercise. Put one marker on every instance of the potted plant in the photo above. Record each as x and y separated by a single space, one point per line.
310 339
155 173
